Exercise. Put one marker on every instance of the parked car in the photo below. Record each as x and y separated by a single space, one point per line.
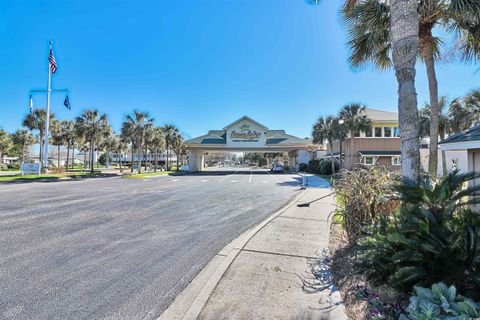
277 168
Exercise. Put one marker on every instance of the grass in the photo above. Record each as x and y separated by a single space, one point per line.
51 176
150 174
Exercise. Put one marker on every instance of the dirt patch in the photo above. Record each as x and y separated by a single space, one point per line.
362 300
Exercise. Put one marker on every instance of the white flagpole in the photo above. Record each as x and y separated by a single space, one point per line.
47 118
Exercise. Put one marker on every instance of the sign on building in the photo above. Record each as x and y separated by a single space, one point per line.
30 168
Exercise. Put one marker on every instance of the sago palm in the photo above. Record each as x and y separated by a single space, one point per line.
370 39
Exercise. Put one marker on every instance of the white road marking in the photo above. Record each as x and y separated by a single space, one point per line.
234 180
271 175
228 176
174 180
204 180
250 179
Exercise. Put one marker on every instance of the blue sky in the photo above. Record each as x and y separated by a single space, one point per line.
197 64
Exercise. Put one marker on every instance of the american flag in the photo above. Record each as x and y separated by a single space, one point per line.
51 61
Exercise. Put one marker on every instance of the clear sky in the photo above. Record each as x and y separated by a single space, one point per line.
197 64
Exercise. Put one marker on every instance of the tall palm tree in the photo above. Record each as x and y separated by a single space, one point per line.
57 137
444 126
23 140
177 146
69 134
92 124
127 135
136 124
370 38
158 143
327 129
355 120
169 132
122 146
35 121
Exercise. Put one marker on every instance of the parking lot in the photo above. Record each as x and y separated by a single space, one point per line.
114 248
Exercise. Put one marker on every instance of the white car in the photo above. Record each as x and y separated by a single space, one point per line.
277 168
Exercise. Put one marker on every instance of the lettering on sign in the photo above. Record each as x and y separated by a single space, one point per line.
30 168
245 134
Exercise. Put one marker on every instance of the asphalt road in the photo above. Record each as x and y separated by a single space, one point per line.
117 248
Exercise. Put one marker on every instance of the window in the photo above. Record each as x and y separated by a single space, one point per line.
368 161
387 132
378 132
396 132
368 132
396 161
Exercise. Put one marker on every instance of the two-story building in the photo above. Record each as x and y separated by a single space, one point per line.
379 145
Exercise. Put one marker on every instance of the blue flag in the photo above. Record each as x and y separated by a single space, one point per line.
66 103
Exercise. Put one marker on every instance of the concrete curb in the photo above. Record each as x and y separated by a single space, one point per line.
191 301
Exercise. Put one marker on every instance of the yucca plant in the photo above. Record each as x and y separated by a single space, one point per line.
436 237
362 198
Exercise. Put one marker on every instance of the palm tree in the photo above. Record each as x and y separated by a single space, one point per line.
23 140
177 146
36 121
327 129
57 137
355 121
122 146
69 134
158 143
92 125
136 125
444 127
369 28
169 132
127 135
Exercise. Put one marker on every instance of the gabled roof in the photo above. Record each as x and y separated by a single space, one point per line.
380 115
472 134
243 119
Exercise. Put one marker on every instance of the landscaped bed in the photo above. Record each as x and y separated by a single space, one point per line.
151 174
407 251
49 177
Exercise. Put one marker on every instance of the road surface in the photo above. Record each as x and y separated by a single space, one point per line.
113 248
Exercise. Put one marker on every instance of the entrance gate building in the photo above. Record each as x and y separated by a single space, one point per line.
247 135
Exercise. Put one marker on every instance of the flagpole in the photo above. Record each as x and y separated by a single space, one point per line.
47 118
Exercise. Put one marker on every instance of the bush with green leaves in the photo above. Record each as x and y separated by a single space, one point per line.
3 167
440 302
363 198
435 238
320 166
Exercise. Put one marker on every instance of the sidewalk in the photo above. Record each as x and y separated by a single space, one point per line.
275 272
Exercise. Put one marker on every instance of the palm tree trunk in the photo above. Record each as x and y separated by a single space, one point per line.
131 162
139 154
73 156
168 167
92 146
404 33
351 150
178 167
333 158
68 156
40 154
58 156
156 160
427 54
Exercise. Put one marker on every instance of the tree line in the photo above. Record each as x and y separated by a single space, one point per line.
91 132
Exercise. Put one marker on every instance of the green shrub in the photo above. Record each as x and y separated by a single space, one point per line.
321 166
363 198
435 238
440 302
103 159
302 167
3 167
14 166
